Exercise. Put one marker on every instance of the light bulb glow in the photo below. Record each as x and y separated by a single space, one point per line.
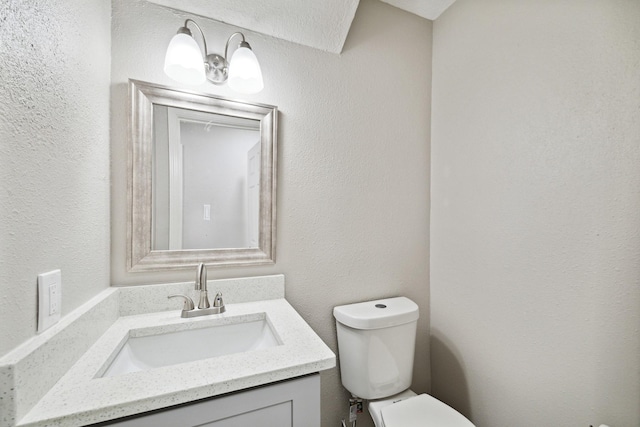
183 61
245 75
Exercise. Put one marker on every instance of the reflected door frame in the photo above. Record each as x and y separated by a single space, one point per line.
175 117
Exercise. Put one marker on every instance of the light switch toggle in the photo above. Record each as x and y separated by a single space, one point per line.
53 299
49 299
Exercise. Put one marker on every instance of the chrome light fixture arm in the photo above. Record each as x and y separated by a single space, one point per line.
184 29
243 43
216 67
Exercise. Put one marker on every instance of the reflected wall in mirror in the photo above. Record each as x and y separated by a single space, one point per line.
202 180
206 180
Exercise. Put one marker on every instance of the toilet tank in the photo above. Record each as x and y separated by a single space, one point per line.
376 344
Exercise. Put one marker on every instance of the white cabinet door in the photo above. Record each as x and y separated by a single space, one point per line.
291 403
272 416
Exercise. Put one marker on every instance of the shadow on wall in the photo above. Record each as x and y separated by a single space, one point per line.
448 382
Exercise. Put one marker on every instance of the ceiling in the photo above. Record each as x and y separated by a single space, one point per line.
429 9
321 24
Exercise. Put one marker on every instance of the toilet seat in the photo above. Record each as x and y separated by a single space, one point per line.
422 411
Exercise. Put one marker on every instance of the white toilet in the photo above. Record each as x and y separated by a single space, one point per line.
376 343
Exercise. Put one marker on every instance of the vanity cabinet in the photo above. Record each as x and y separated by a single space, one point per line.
291 403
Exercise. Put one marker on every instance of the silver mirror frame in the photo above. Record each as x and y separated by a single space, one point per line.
140 256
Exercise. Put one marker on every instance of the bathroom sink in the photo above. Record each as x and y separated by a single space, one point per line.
145 350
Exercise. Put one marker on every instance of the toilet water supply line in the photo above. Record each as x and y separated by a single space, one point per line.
355 408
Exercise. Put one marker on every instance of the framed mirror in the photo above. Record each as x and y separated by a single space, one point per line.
202 180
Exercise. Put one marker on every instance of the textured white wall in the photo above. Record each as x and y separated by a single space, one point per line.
535 237
353 192
54 155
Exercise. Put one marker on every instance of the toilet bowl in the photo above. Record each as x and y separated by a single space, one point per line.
410 410
376 343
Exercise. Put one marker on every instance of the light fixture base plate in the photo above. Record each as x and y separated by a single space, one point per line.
216 68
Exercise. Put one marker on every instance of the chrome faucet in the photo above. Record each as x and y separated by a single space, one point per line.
201 285
204 308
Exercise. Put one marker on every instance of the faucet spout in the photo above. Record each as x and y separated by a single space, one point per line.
204 307
201 277
201 285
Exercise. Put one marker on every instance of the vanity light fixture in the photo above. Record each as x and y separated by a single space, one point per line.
185 63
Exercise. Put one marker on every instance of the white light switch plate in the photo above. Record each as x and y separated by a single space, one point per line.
49 299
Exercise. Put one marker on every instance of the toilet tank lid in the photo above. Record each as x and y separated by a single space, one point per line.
377 314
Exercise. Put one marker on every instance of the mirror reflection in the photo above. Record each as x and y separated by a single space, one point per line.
202 180
206 182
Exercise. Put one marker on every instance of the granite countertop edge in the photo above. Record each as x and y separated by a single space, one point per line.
81 398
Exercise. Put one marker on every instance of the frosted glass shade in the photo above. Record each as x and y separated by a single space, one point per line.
183 61
245 75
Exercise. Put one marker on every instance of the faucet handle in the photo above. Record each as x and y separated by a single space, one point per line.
217 302
188 302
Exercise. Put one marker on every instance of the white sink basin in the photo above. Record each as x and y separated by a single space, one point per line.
151 351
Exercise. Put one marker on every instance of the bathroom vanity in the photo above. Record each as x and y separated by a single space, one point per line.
264 362
293 402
